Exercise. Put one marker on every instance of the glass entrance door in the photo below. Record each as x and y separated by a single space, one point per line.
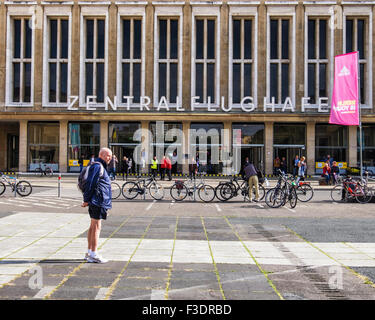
122 151
289 153
255 155
12 152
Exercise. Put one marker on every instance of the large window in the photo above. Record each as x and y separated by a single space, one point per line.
206 141
251 143
43 144
94 60
83 141
317 58
242 59
356 39
368 143
280 59
168 60
331 140
20 43
205 60
131 59
57 65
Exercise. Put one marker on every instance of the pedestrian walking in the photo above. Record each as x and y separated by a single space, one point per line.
251 174
97 196
174 162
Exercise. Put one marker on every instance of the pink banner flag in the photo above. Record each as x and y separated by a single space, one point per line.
345 95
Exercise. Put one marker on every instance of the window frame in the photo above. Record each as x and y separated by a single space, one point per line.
18 12
321 13
59 13
282 12
201 10
364 12
248 13
168 13
96 12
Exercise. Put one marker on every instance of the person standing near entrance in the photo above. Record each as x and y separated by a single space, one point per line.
163 168
168 164
276 165
97 196
301 170
295 166
283 165
154 167
251 174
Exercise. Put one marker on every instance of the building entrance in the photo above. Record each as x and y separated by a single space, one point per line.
289 152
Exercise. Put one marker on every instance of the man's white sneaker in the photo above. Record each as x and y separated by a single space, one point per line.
87 256
97 259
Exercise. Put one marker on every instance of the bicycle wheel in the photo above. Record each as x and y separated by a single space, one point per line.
178 191
2 188
116 190
305 192
226 191
337 193
49 172
275 198
206 193
156 191
292 198
130 190
24 188
363 194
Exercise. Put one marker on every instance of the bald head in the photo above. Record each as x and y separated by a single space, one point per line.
105 154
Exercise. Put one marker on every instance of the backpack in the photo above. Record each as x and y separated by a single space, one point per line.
82 178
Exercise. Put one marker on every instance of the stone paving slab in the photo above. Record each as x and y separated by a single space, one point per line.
175 258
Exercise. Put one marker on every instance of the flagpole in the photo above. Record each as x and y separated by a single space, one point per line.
360 121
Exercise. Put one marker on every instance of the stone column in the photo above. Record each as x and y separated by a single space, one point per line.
104 134
23 146
268 147
185 146
310 147
352 150
63 149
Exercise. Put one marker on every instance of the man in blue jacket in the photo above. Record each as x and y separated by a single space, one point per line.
98 197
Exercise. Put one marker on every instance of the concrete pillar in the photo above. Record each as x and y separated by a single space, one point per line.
63 142
352 150
310 147
226 144
185 146
103 133
268 147
23 146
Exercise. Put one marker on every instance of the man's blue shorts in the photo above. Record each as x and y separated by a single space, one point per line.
97 213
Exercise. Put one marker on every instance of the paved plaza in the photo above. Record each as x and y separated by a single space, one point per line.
166 250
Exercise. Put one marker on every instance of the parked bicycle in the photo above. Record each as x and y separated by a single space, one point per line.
131 189
304 190
351 189
23 188
46 171
227 190
283 192
180 190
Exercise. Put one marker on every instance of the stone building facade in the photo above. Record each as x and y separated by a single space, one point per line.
79 75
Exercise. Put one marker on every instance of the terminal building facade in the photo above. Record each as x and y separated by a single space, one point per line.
80 75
